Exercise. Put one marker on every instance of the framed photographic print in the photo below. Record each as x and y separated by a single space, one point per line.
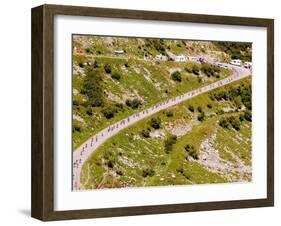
141 112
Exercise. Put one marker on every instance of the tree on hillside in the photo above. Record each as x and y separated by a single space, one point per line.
191 108
133 103
190 149
176 76
169 142
223 123
155 123
109 112
248 115
195 69
107 68
92 88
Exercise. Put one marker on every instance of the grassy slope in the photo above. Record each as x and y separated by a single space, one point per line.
132 154
133 81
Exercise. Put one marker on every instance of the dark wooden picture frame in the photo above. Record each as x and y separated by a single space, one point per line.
42 203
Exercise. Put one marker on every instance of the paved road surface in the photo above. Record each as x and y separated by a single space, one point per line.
82 153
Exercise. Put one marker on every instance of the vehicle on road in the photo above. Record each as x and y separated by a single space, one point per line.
236 62
248 65
221 65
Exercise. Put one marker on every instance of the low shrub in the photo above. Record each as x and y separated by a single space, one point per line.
169 114
223 123
210 69
195 69
148 172
190 149
191 108
176 76
248 115
107 68
76 126
145 133
109 112
169 142
201 116
133 103
155 123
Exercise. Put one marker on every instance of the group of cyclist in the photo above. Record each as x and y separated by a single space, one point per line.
151 110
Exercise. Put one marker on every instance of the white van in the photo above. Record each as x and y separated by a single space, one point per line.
236 62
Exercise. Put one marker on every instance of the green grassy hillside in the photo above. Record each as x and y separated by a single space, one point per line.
206 139
108 87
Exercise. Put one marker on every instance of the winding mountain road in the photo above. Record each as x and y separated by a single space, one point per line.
82 153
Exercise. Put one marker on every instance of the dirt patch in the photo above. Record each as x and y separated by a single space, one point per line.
78 70
157 134
114 97
210 159
181 127
78 118
131 95
75 92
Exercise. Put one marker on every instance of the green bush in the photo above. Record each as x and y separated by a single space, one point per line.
120 105
201 116
237 101
107 68
148 172
145 133
210 69
237 50
95 64
133 103
191 108
199 109
119 172
239 95
109 112
169 142
231 120
241 117
234 122
155 123
180 170
169 114
76 126
195 69
89 111
81 64
176 76
209 105
248 115
111 163
190 149
223 123
93 89
116 76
